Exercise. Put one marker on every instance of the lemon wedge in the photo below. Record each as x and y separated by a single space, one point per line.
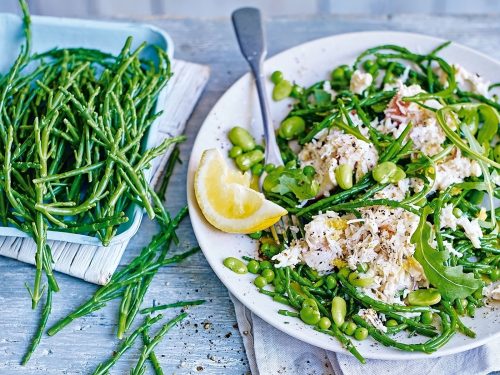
226 199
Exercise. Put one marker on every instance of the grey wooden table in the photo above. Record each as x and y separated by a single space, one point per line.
209 341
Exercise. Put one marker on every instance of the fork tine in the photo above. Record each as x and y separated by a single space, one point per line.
275 234
284 222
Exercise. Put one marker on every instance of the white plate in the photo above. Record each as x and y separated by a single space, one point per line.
306 64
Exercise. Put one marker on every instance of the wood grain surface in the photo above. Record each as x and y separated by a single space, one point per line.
208 343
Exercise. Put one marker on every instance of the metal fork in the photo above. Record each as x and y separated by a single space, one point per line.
249 31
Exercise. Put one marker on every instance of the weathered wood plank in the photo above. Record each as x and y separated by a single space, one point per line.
79 348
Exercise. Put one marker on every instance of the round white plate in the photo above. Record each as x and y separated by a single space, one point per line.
306 64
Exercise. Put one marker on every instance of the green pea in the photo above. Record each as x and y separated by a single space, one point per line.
309 171
347 72
276 77
249 159
424 297
338 73
291 127
331 282
426 317
235 151
241 137
361 333
495 274
253 267
457 212
368 65
384 171
391 323
496 153
257 169
324 323
268 274
339 310
397 176
343 175
310 302
265 264
310 315
282 90
265 247
297 91
350 328
235 265
269 167
272 250
261 148
344 271
260 282
382 62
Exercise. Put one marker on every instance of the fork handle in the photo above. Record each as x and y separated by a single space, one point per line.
249 31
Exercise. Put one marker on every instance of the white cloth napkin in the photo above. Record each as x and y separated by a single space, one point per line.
271 351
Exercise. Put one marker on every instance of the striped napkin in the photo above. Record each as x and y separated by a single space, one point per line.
271 351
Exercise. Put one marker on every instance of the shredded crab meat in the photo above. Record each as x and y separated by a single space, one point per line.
371 316
395 192
381 241
492 291
381 237
454 169
402 112
471 228
335 148
466 80
360 81
427 136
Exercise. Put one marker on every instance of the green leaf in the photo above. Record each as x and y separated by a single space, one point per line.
321 97
490 126
294 181
474 144
448 113
451 282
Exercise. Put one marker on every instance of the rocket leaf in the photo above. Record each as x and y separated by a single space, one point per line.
451 282
292 181
321 97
